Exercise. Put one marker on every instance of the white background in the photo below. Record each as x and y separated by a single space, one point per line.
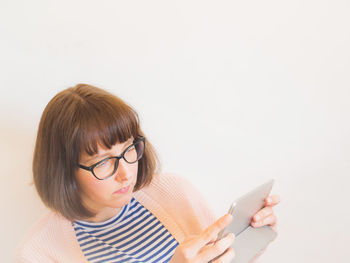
231 93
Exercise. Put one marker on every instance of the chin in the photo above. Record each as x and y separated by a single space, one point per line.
122 200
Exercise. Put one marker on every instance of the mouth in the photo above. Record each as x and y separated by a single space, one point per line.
123 190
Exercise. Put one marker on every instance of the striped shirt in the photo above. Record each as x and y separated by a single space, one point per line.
133 235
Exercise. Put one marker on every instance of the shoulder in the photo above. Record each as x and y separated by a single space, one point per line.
25 251
173 182
43 238
173 186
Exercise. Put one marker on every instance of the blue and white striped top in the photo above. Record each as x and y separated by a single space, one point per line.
133 235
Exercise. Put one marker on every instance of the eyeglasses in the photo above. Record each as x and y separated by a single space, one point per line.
108 166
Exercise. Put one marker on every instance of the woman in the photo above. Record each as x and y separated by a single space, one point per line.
96 171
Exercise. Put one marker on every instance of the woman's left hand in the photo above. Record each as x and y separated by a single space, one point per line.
266 215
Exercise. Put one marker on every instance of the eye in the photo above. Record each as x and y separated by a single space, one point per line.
101 164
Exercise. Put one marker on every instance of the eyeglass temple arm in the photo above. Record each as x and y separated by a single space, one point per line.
84 167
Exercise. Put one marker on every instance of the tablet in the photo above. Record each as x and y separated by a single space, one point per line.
249 241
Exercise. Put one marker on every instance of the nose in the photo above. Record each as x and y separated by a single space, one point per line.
123 173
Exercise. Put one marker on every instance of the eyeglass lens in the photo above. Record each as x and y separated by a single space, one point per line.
109 166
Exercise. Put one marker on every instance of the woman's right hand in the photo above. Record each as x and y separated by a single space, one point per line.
203 249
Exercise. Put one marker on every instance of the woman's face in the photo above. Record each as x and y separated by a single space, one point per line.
102 196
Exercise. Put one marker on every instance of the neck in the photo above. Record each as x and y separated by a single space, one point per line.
103 215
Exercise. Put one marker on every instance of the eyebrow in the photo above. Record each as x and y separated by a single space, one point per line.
102 156
98 156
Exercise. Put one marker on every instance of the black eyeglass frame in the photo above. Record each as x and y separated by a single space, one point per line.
91 167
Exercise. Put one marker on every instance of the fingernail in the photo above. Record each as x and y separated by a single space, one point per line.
269 200
257 218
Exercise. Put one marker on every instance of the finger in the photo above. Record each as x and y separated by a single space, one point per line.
270 220
272 200
209 252
227 256
265 212
211 232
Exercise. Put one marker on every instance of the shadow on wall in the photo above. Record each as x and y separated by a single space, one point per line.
20 205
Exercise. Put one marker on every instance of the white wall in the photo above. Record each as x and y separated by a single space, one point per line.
231 93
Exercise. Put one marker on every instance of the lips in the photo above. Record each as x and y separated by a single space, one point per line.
123 190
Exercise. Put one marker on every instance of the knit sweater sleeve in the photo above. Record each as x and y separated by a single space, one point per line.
196 200
184 203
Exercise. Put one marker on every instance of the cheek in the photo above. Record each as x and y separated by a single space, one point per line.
93 188
98 188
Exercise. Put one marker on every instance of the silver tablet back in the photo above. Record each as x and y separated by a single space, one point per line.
249 241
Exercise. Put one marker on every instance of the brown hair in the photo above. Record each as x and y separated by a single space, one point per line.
78 119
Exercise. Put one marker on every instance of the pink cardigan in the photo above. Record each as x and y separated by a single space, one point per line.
172 199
